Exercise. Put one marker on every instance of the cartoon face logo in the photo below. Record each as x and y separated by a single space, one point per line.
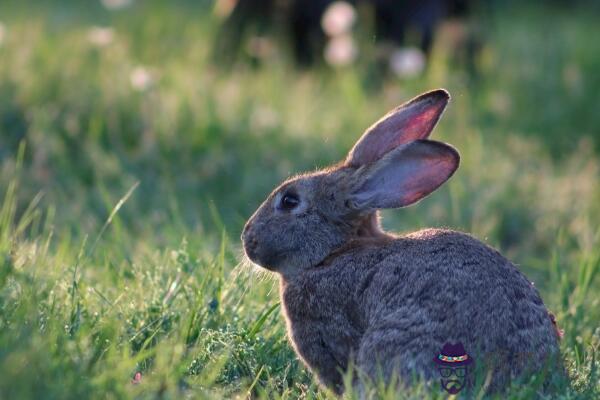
453 365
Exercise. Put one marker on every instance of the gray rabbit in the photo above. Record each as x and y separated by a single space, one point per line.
355 295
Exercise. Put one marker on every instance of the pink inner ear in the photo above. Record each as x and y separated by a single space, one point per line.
406 175
420 125
409 122
425 178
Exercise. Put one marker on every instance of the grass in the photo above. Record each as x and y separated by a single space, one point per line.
122 207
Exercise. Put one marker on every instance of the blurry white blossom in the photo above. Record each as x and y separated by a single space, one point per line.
224 7
340 51
101 36
116 4
141 79
2 33
407 62
338 18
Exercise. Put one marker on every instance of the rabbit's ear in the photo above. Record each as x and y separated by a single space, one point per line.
403 176
410 121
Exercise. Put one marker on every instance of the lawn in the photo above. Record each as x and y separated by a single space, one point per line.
129 163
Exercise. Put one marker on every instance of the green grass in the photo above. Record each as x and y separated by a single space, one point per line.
122 209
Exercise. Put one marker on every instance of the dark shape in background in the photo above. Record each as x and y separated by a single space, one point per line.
300 22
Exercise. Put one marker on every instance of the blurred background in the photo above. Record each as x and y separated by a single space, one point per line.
136 136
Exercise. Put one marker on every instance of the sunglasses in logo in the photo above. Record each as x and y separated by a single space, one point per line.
446 372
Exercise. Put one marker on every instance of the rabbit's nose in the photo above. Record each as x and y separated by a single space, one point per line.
245 231
248 240
250 246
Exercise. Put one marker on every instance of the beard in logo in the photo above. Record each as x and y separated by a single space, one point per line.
452 386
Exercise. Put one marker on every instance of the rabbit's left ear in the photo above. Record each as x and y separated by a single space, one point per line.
410 121
403 176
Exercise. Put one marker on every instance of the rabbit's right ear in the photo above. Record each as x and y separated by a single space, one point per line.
403 176
410 121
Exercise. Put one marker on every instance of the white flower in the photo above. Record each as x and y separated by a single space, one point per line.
407 62
2 33
338 18
340 51
116 4
101 36
141 79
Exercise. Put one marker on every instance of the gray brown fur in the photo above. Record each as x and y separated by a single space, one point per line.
353 294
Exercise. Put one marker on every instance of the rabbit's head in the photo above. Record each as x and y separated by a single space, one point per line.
392 165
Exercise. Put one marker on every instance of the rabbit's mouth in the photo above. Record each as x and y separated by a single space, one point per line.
275 261
268 258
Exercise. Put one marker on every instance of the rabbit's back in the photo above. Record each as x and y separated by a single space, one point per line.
451 274
436 286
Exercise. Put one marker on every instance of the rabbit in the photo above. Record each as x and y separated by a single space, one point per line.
354 295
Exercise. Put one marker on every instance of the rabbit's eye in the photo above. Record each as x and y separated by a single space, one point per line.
289 201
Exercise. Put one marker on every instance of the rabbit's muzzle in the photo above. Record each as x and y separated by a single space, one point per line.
258 251
250 243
